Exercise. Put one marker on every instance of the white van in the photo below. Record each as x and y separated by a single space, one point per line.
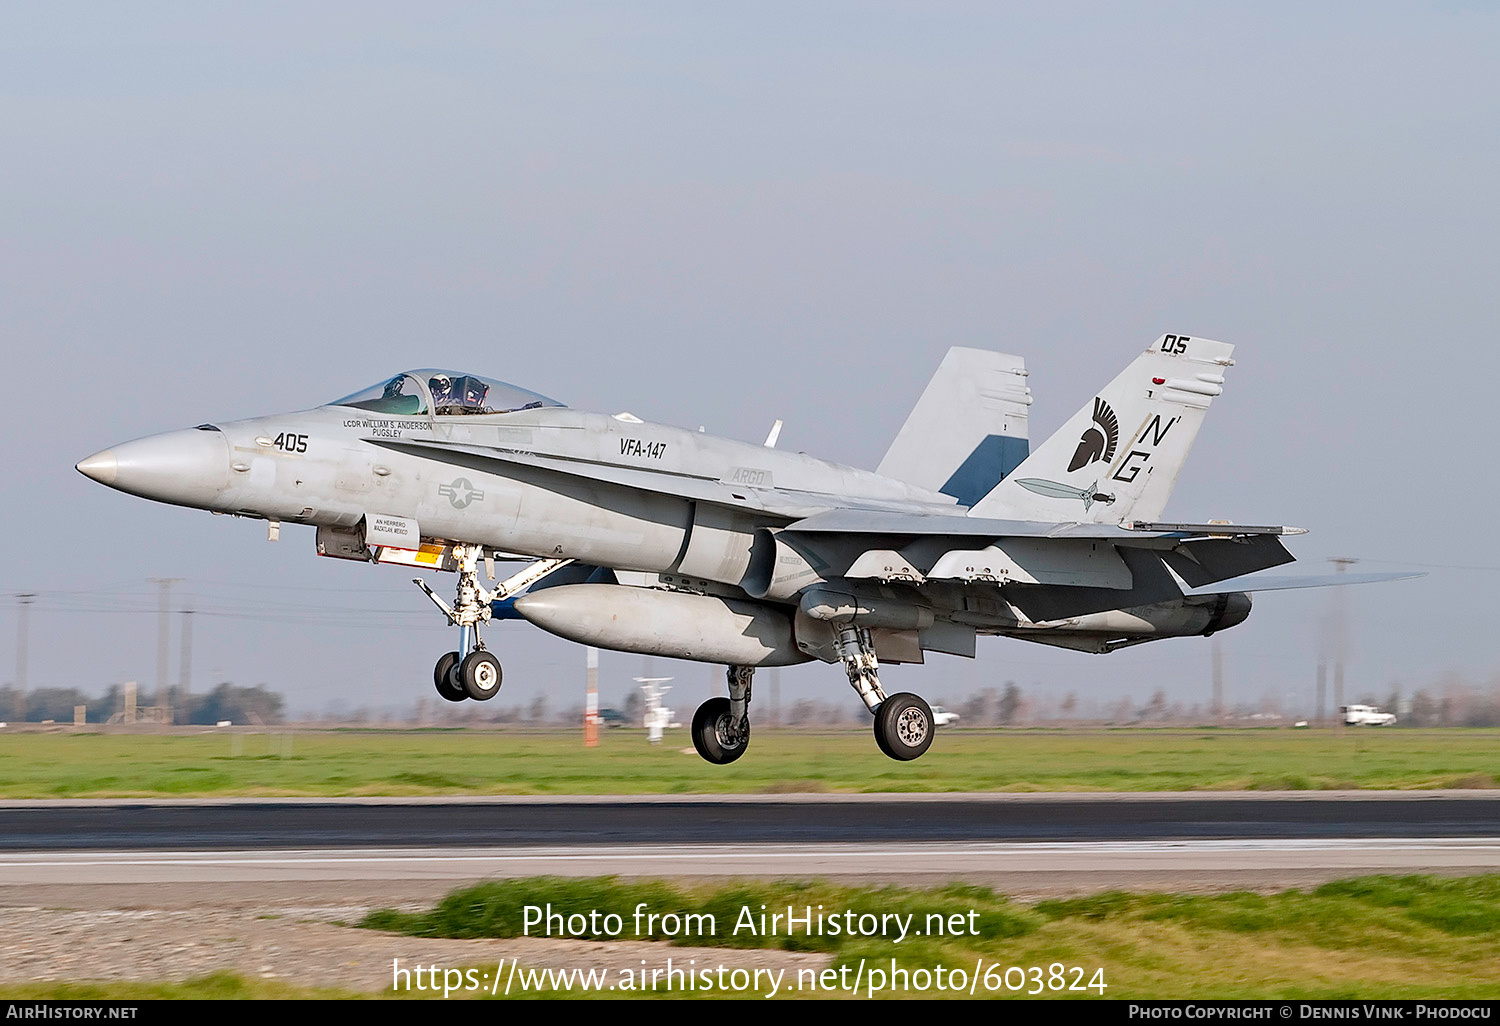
1366 716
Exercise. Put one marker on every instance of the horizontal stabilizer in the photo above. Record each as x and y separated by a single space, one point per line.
1286 583
1201 561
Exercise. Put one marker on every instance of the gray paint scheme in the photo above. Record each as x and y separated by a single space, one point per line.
799 549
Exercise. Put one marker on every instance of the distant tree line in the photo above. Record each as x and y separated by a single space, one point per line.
225 702
991 707
1451 707
1450 702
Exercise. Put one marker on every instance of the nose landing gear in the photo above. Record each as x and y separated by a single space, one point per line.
472 671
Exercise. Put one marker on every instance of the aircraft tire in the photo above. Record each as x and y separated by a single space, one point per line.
880 738
479 675
904 726
709 739
442 676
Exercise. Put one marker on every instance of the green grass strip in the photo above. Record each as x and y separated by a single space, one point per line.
473 762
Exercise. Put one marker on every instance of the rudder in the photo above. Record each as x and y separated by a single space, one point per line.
1119 456
969 428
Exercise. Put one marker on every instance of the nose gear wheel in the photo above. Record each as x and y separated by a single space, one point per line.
479 675
443 675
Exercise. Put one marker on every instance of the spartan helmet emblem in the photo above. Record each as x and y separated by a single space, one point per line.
1098 442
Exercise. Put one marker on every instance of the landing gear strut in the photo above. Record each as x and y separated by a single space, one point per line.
472 672
903 721
858 654
721 726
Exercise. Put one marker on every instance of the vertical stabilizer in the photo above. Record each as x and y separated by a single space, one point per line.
1119 456
969 428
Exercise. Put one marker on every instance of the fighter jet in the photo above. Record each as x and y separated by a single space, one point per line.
659 540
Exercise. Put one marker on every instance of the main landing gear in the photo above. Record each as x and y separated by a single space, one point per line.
721 726
903 721
473 672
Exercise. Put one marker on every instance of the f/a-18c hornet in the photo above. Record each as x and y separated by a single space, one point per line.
659 540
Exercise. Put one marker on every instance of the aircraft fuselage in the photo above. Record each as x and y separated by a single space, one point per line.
335 466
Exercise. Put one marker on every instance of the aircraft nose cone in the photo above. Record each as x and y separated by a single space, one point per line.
100 467
188 468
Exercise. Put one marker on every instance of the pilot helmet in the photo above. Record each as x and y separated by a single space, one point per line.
442 388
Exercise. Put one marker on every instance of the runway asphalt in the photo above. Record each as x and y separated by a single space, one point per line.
201 852
742 819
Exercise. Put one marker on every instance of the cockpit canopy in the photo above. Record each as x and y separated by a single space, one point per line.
445 393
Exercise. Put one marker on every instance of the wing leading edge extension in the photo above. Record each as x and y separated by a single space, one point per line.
783 503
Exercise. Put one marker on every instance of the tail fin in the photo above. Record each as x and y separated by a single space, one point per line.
969 428
1119 456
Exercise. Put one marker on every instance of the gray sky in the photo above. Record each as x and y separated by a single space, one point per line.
727 214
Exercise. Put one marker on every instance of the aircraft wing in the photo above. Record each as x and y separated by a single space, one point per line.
1050 571
897 524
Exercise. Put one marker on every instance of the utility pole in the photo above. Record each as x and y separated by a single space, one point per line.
185 660
591 700
1322 691
1340 640
162 630
1218 662
23 635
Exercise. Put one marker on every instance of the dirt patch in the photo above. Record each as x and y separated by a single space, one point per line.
300 942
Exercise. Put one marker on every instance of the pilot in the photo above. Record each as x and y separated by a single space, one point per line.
442 391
